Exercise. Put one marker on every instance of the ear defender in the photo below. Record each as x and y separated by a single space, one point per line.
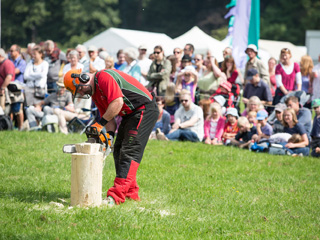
84 78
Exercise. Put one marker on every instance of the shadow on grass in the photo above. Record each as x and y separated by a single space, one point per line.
34 196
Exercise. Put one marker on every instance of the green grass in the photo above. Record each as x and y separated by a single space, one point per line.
187 190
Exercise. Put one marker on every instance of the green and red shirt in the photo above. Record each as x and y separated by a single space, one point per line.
111 84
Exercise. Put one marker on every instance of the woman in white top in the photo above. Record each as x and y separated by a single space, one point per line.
35 77
73 57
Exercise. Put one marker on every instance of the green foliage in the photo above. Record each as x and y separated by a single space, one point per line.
187 190
220 33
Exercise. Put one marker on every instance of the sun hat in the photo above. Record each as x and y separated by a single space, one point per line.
253 47
219 99
92 48
232 112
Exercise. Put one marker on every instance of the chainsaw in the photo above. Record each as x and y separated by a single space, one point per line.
93 136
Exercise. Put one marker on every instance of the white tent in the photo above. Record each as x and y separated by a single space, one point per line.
202 42
114 39
274 49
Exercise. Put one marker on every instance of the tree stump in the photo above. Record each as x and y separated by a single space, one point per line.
86 175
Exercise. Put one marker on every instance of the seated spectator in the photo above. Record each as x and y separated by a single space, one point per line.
205 104
121 59
254 104
200 68
163 122
252 118
292 126
109 61
188 125
315 133
171 100
303 114
187 79
73 57
132 67
35 77
214 125
231 127
53 104
224 90
277 125
245 134
264 129
186 61
230 69
256 87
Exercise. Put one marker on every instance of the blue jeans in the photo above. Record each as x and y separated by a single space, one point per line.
183 135
304 150
52 87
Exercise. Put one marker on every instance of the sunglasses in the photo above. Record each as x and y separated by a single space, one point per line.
156 52
184 100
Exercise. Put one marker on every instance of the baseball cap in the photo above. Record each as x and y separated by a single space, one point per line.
316 103
251 72
262 114
233 112
280 107
186 58
92 48
253 47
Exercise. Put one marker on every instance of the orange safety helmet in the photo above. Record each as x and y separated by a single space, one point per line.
72 83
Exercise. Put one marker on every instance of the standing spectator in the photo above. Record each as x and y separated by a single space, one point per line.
95 62
315 133
188 124
132 67
144 62
214 125
272 74
255 62
177 52
7 74
256 87
200 68
28 54
121 59
187 79
316 81
73 57
226 52
307 75
277 125
288 76
35 77
303 114
82 50
292 126
55 57
230 69
174 72
159 72
185 61
19 63
188 50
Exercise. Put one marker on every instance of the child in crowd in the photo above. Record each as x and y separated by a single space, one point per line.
254 104
315 133
214 125
171 100
277 125
252 115
264 129
295 138
231 128
244 136
224 90
187 79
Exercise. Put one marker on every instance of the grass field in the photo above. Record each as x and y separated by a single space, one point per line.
187 190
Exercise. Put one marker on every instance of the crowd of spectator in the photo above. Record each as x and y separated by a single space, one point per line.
199 98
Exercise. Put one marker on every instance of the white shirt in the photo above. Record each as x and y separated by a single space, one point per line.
67 67
316 82
184 116
36 75
144 66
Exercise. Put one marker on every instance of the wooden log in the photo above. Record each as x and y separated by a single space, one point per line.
86 175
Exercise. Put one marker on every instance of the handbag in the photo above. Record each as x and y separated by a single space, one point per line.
39 92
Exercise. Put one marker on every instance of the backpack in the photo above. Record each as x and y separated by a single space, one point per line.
5 123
